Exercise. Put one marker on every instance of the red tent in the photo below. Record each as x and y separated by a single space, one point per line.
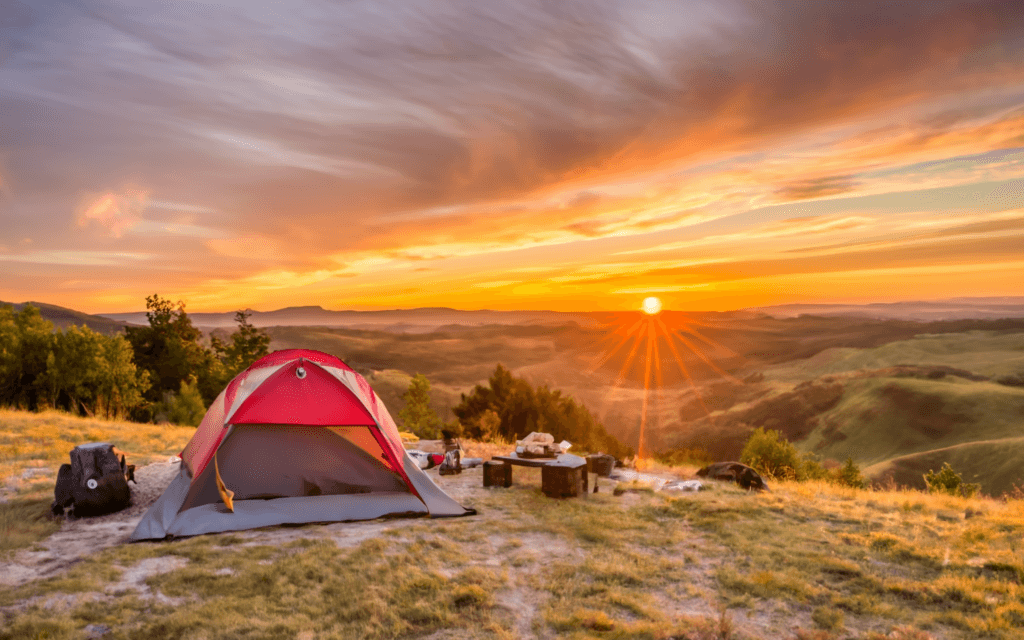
297 437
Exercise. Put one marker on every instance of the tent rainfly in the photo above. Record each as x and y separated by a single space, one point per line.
297 437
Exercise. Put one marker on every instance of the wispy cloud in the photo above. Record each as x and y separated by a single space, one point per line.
266 142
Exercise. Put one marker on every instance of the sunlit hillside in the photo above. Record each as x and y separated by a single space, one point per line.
803 561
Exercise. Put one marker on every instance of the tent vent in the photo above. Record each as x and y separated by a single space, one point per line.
300 373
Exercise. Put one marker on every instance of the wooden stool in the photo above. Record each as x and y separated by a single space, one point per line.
497 474
562 481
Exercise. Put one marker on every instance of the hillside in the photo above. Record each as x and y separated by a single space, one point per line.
62 317
897 419
801 562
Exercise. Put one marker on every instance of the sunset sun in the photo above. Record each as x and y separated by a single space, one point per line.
651 305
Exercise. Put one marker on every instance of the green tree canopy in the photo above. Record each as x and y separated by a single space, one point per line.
26 340
417 416
248 344
171 351
521 409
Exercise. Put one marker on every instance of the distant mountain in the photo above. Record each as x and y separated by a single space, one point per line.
923 311
396 321
62 317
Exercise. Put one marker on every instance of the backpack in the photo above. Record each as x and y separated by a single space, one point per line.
95 483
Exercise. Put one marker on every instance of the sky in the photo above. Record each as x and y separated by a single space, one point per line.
569 155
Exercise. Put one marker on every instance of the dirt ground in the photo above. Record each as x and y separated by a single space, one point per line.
79 537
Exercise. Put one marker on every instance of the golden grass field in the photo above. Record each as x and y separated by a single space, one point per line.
804 561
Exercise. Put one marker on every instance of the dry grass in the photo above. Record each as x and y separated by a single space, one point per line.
34 445
809 561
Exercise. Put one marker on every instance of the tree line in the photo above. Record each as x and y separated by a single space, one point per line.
510 408
163 371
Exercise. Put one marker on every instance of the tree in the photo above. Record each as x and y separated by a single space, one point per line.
521 409
94 374
170 350
417 416
248 344
26 339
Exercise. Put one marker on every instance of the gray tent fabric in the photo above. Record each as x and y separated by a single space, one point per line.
157 520
289 475
250 514
441 504
280 461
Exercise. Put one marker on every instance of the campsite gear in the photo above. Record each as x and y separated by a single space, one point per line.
564 460
469 463
600 464
297 437
497 474
425 460
541 445
741 474
95 483
452 463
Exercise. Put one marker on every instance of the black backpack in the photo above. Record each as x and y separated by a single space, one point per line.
95 483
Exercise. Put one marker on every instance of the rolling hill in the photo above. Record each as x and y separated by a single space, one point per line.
62 317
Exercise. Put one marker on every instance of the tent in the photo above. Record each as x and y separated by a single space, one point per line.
297 437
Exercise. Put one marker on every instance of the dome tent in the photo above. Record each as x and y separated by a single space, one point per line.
297 437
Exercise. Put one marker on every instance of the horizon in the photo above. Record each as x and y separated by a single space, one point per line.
967 300
576 157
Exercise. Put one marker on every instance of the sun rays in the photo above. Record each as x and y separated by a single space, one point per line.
668 346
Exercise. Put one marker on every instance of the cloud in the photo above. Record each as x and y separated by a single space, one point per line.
430 129
116 212
816 188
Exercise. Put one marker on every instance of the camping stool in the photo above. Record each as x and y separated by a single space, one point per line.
564 481
497 474
600 464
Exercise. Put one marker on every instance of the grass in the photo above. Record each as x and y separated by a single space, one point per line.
881 418
806 561
989 353
34 445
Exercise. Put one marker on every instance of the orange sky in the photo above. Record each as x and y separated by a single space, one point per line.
571 156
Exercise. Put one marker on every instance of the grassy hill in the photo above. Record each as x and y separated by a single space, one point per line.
802 562
997 465
895 418
62 317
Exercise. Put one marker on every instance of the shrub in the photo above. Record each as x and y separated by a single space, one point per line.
185 407
771 454
811 469
849 475
949 482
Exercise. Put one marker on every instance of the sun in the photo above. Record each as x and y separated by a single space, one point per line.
651 306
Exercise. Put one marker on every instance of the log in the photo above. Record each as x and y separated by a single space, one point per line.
558 481
497 474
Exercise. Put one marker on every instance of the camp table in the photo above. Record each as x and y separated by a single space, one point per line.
558 474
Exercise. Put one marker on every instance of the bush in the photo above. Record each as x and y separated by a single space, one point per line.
772 455
949 482
849 475
185 407
811 469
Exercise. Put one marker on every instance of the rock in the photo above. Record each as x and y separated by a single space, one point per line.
948 516
96 630
685 485
741 474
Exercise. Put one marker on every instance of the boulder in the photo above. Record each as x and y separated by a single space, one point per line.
741 474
